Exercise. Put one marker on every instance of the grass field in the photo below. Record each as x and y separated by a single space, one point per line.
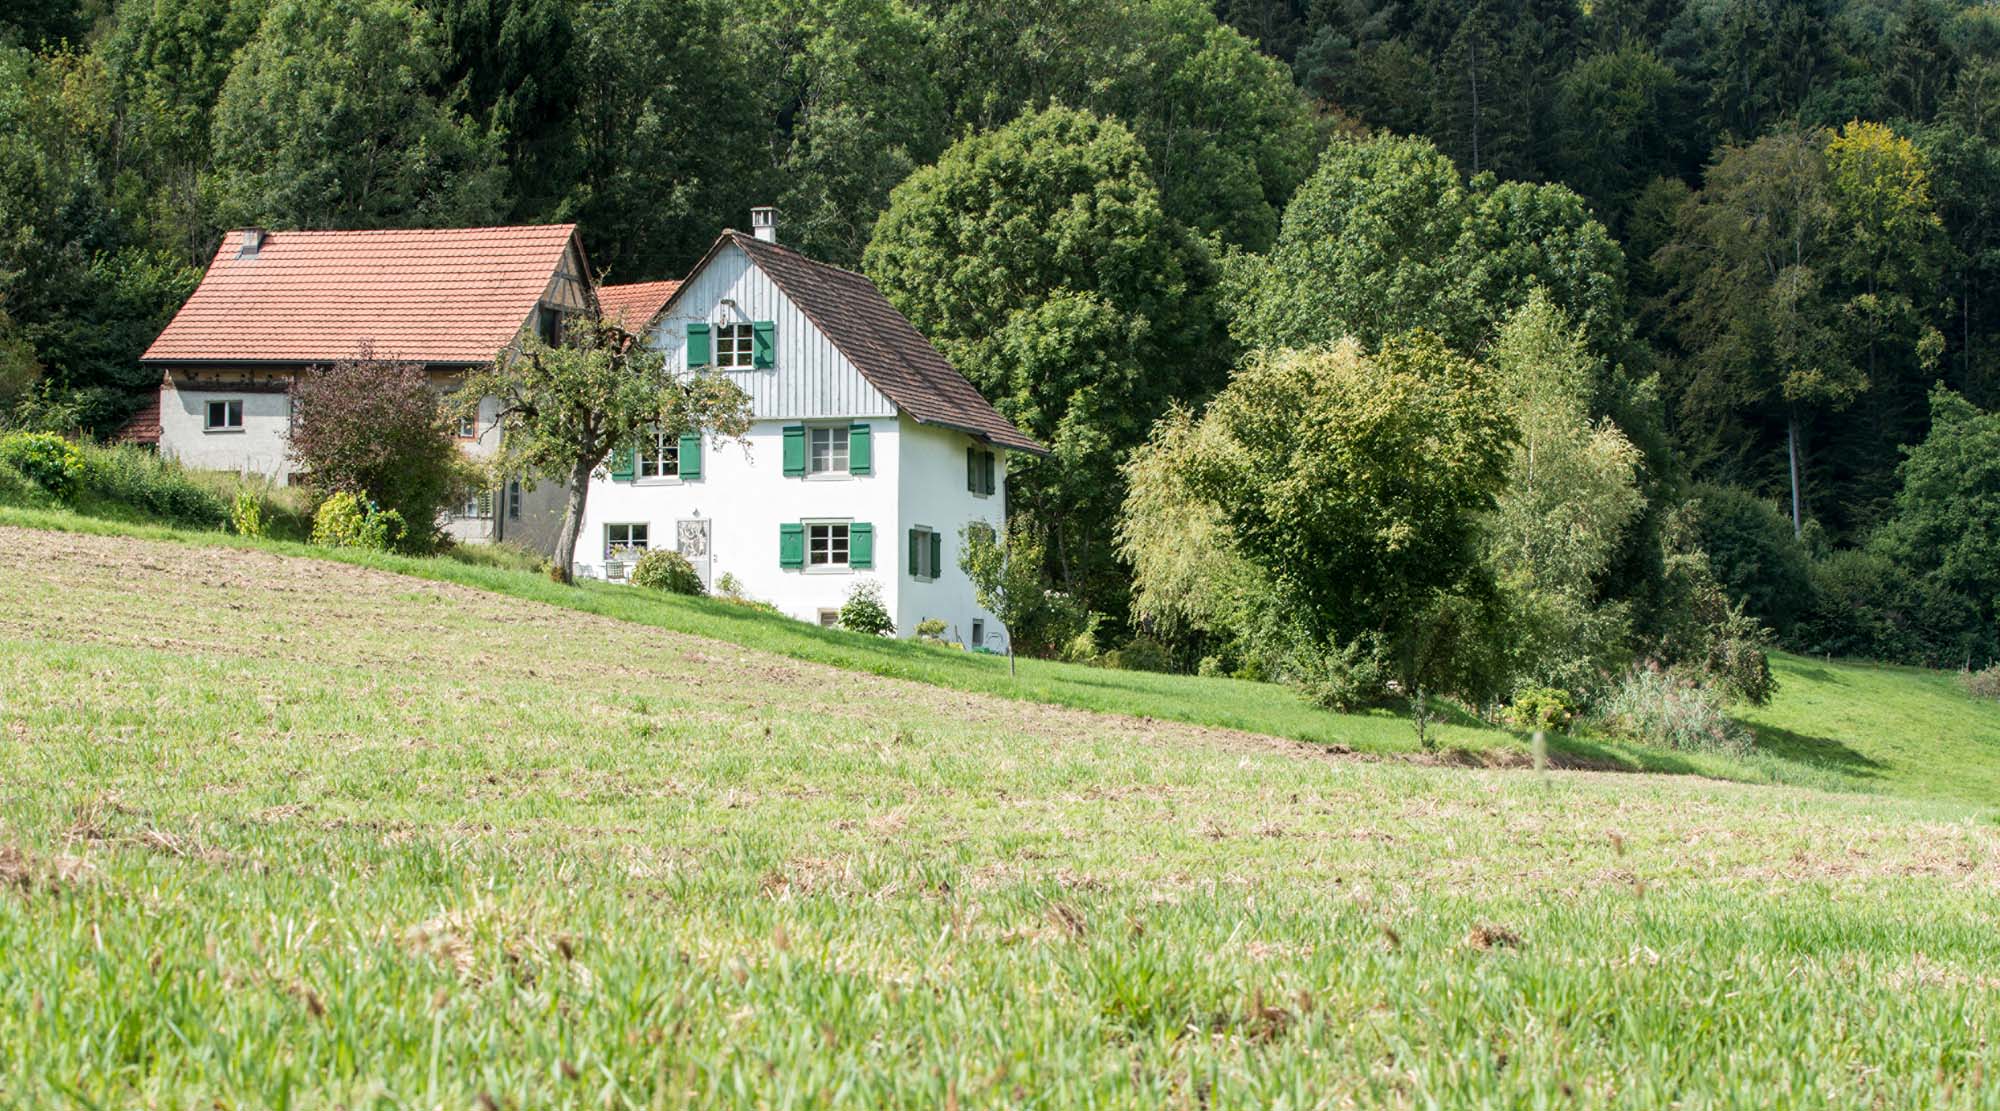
293 833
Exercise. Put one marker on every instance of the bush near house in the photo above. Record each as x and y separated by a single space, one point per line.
346 521
51 462
661 569
864 611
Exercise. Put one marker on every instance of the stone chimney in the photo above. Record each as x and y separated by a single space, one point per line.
764 223
253 241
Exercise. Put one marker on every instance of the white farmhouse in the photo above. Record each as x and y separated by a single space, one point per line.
274 304
868 453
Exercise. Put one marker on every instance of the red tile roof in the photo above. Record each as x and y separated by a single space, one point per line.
451 295
634 306
882 343
144 427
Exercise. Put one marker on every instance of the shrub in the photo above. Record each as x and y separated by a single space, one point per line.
864 611
246 515
1753 554
1343 678
1081 647
664 569
51 462
1865 605
730 587
1211 667
1551 708
376 428
1660 707
1141 653
931 628
18 489
138 479
1984 683
346 521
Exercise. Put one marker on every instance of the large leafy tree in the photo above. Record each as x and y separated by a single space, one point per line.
1946 524
377 428
332 117
1040 259
514 61
564 409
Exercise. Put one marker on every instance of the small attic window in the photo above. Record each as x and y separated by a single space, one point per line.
549 325
253 241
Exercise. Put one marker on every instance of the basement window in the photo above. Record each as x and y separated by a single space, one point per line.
624 541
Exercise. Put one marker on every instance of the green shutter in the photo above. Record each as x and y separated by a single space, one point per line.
698 351
986 485
690 455
860 450
763 344
485 503
860 545
795 450
622 458
916 550
972 469
937 555
791 545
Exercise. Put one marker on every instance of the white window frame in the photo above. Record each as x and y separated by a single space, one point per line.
735 346
231 406
639 541
846 547
663 450
839 441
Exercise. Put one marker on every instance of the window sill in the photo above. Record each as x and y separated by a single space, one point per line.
833 476
675 481
222 431
832 569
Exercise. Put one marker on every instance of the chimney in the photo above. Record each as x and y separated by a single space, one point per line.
764 223
253 241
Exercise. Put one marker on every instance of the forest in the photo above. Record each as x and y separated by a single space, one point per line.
1494 349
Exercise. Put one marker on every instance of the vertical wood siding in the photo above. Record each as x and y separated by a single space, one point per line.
812 379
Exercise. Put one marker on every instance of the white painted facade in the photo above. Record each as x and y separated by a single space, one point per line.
730 519
256 447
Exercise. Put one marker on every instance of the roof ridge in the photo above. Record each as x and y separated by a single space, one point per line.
802 256
406 231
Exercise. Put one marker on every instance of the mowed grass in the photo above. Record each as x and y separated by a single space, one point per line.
1833 725
289 833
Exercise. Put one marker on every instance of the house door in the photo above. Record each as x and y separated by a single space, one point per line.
691 537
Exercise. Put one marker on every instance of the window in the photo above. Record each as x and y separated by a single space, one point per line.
733 346
926 553
622 541
978 632
659 454
979 471
549 325
829 451
829 619
826 545
468 428
477 506
224 416
514 499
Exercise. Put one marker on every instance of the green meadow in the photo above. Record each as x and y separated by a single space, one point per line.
279 831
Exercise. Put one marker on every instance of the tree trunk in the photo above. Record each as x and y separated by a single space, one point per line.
579 487
1792 451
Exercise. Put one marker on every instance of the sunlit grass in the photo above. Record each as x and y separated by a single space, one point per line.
287 833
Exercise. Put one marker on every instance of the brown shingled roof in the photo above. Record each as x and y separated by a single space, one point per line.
448 295
882 343
634 306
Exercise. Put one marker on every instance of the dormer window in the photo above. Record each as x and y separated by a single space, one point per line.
734 345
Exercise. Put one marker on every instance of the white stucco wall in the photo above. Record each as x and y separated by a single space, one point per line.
258 449
933 495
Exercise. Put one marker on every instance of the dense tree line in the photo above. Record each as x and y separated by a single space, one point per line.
1724 276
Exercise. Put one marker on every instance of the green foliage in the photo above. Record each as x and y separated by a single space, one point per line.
1663 707
137 479
1705 633
1341 677
346 520
50 461
1141 653
1549 708
564 409
246 515
333 116
375 427
1864 605
668 570
18 489
1753 554
864 613
930 628
1946 525
1040 259
1984 683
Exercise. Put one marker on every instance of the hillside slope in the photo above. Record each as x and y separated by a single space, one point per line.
280 830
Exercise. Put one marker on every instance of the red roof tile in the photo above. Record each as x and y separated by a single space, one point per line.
882 344
451 295
144 427
634 306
